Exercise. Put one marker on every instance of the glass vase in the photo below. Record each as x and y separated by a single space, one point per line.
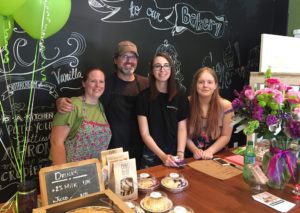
26 197
279 163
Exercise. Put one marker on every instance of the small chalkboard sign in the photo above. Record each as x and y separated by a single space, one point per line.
67 181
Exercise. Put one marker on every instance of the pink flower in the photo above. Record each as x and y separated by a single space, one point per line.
293 96
278 97
273 83
293 93
283 87
263 91
249 93
297 113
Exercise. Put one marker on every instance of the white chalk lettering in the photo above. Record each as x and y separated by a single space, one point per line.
59 175
194 20
70 185
66 77
59 199
134 10
153 14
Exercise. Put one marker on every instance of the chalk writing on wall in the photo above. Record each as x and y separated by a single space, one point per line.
179 18
226 68
170 49
18 124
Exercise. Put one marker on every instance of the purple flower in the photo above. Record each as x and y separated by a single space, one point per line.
237 103
284 115
257 113
293 128
271 120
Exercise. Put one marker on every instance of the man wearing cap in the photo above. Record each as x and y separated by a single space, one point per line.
119 100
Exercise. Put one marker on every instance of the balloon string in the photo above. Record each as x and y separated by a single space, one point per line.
11 160
3 115
14 151
45 20
6 37
28 119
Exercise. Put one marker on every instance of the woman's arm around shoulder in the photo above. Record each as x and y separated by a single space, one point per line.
64 105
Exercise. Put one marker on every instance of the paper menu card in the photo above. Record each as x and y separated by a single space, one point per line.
214 169
273 201
104 153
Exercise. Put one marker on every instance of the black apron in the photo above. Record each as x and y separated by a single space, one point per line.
123 121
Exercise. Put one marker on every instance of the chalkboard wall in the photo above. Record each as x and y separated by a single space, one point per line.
221 34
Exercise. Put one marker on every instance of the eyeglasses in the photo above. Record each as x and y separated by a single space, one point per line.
158 67
128 57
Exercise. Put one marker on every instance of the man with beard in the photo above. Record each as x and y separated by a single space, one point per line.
119 100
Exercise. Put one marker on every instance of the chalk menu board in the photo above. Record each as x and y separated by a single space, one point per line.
71 180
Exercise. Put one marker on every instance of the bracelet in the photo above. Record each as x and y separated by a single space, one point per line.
180 152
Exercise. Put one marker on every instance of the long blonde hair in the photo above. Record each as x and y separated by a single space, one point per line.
195 123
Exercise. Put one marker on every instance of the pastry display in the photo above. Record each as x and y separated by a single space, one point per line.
181 209
92 209
174 182
147 183
156 202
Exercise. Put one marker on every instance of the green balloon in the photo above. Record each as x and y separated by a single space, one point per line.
30 16
6 28
7 7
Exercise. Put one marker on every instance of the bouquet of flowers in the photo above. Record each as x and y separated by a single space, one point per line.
272 111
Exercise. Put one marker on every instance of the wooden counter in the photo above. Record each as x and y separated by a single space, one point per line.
208 194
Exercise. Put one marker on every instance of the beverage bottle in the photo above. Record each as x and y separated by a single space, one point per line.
249 158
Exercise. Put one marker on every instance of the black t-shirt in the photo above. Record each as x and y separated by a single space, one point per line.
163 117
119 101
115 85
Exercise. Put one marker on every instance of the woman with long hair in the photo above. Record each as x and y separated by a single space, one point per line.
162 115
209 128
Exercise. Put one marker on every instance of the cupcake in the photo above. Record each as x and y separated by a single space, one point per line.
181 209
147 183
174 182
156 202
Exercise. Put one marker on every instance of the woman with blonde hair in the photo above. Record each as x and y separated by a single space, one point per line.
209 128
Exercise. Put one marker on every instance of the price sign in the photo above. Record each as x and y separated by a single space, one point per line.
64 182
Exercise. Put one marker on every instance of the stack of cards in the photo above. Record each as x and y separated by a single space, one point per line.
274 201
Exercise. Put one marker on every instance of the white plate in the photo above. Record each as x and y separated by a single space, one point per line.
170 205
178 189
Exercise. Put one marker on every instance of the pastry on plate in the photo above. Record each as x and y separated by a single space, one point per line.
156 202
92 209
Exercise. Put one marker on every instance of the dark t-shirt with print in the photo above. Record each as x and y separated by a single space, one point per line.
163 117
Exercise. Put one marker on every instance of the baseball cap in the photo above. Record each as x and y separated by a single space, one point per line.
126 46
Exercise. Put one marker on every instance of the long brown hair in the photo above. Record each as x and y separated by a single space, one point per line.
196 121
171 87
